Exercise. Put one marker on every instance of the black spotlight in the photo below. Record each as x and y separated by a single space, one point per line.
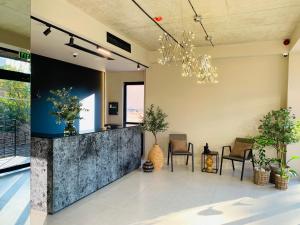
138 67
47 31
71 41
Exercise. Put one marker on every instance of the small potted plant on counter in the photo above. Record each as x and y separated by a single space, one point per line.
284 175
155 122
66 108
262 168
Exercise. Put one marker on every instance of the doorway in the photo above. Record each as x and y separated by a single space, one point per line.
14 114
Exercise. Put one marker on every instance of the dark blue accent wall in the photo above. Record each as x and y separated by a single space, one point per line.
47 74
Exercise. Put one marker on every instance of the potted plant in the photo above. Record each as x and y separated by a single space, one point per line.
155 122
262 163
285 173
279 127
66 108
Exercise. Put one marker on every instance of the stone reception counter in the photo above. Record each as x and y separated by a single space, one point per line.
66 169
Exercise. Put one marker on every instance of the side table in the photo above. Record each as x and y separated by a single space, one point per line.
210 162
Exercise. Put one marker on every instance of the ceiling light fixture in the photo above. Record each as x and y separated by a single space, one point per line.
103 51
71 41
208 38
47 31
138 67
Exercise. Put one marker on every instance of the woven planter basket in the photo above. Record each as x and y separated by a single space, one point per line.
281 183
274 171
261 177
156 157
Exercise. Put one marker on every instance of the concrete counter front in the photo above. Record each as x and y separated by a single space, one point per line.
66 169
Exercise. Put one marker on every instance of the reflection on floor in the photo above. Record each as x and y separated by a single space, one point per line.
13 161
15 198
182 198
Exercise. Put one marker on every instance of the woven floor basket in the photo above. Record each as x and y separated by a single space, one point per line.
261 177
281 183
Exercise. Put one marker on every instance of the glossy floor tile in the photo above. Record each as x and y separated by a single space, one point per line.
15 198
183 198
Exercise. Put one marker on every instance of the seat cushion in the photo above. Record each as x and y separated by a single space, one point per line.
239 149
179 145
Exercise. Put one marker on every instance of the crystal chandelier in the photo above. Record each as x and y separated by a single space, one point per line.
200 67
206 72
168 49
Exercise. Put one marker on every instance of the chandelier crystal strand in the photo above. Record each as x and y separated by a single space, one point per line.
188 60
207 73
167 49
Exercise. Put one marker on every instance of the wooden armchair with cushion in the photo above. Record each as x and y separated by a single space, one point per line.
241 152
178 146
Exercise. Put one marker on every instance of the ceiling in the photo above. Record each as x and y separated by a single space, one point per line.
228 21
15 16
53 46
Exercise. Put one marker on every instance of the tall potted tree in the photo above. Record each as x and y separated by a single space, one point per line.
278 127
155 122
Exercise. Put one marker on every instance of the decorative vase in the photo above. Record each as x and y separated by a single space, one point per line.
156 156
209 163
148 166
281 183
70 129
261 177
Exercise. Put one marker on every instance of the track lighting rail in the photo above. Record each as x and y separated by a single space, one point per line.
157 24
49 25
197 15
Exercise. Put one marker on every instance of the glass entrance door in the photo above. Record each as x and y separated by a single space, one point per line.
14 115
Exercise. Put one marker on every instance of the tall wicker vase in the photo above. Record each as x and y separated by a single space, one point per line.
281 183
261 177
156 156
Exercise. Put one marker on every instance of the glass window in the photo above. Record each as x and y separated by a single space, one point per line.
134 103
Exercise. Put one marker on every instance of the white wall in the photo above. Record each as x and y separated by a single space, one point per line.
114 90
294 99
250 86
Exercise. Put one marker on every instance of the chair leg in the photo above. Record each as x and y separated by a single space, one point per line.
193 162
168 157
171 162
232 165
187 160
221 166
243 170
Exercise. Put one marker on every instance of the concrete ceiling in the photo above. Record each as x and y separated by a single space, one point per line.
228 21
15 16
53 46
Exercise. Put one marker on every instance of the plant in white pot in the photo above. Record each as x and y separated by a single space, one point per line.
262 168
155 122
285 173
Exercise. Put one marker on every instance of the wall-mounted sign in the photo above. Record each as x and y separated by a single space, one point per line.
113 108
24 55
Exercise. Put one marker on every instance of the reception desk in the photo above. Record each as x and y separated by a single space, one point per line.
66 169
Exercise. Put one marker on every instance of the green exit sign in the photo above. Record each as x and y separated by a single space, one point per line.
24 56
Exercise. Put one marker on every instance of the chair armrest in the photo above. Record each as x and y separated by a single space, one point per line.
245 152
223 148
191 146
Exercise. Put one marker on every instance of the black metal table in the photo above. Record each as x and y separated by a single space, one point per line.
215 158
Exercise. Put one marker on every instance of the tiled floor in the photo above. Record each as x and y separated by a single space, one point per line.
182 198
14 198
